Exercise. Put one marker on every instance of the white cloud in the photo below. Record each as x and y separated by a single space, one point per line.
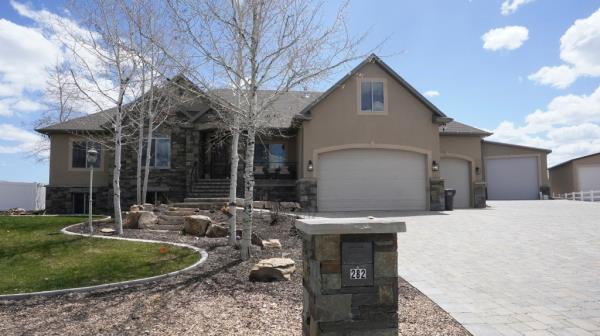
431 93
580 50
509 37
19 140
511 6
8 106
570 126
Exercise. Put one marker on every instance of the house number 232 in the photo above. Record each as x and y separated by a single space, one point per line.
358 273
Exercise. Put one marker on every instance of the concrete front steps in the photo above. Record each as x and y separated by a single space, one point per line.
172 219
210 189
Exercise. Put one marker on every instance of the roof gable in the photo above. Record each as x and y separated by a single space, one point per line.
376 60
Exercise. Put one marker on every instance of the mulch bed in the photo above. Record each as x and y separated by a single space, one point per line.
216 299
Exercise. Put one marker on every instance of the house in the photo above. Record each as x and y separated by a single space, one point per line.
579 174
370 142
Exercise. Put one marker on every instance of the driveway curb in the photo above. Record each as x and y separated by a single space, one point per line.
22 296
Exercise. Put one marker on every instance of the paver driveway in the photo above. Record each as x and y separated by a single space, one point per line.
516 268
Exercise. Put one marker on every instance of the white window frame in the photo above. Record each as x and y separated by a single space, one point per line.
86 168
359 96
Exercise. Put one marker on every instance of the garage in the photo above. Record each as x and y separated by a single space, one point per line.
455 173
371 179
588 177
512 178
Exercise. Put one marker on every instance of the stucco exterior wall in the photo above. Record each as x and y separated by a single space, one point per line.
506 150
463 147
562 179
336 122
61 173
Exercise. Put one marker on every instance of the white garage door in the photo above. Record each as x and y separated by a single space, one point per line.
588 178
512 178
371 179
455 173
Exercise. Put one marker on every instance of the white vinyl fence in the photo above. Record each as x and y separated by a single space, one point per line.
582 196
26 195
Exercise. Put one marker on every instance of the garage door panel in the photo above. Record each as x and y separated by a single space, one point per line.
455 173
371 179
512 178
588 177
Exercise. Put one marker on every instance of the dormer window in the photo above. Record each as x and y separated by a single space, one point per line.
372 96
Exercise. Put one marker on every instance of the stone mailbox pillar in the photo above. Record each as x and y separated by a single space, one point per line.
350 276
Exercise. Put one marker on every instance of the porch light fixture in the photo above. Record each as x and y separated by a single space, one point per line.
435 166
477 171
310 166
92 156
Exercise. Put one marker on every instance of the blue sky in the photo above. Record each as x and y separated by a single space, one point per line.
516 82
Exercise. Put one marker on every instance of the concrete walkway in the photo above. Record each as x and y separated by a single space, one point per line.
516 268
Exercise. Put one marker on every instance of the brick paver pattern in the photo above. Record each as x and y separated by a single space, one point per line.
515 268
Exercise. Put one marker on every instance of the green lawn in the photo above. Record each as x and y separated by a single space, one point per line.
35 256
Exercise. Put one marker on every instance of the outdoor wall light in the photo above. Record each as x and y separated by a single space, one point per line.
477 171
435 166
310 166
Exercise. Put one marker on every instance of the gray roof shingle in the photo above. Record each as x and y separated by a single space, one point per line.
89 123
457 128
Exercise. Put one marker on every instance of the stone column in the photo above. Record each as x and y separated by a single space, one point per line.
436 194
479 194
307 194
350 276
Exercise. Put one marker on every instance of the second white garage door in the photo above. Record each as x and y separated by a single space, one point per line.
588 178
371 179
512 178
455 173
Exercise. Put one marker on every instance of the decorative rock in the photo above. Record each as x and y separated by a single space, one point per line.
136 207
196 225
289 206
130 219
148 207
217 231
254 240
108 231
147 219
162 207
274 269
271 244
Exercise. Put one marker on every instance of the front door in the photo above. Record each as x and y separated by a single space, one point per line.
219 160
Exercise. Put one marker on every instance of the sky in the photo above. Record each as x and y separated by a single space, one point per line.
526 70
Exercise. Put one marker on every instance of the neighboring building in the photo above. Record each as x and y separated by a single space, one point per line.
514 172
25 195
370 142
579 174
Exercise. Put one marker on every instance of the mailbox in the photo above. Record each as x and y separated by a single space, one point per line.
357 264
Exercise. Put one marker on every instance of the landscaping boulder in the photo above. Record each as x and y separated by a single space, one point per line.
274 269
289 206
130 219
136 207
108 231
17 211
254 240
196 225
148 207
271 244
217 231
147 219
162 208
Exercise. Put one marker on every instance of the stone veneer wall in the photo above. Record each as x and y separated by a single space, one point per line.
59 199
275 190
479 189
307 194
333 310
436 194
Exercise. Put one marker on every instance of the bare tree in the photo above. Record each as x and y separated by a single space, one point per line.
103 69
254 45
62 97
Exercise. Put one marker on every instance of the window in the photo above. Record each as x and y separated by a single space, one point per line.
79 154
160 152
372 96
271 155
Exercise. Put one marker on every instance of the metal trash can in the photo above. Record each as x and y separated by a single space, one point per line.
449 198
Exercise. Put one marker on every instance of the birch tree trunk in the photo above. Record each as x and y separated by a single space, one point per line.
248 195
147 163
235 139
138 177
117 173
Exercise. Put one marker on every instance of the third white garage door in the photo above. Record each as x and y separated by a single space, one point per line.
588 177
371 179
455 173
513 178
